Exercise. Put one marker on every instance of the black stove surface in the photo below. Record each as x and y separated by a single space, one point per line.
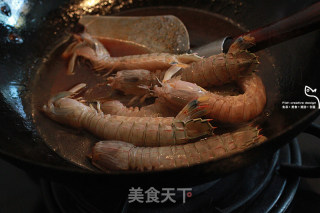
258 188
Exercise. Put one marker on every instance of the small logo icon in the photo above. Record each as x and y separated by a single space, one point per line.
310 93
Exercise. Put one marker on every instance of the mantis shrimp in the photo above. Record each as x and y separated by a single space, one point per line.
223 68
140 131
227 109
118 155
90 48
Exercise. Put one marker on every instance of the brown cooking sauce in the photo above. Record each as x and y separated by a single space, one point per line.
73 144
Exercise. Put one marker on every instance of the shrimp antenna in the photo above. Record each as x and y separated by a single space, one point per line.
159 81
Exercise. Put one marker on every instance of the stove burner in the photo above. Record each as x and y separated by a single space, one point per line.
259 188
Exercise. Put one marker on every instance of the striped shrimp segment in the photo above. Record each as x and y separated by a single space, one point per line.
140 131
157 109
240 108
118 155
91 49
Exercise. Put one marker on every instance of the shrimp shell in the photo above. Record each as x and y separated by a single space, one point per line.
240 108
156 109
140 131
118 155
223 68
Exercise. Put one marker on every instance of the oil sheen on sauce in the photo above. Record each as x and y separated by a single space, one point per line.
74 145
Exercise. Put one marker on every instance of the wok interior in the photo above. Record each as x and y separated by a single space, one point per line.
290 66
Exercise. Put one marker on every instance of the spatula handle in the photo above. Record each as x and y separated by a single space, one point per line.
292 26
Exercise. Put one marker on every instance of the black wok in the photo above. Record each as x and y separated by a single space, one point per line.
295 65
